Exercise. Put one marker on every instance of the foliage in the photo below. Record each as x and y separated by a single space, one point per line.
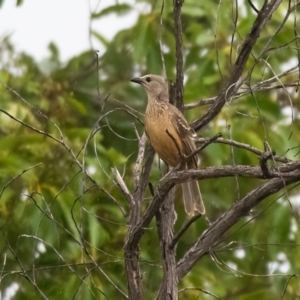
63 231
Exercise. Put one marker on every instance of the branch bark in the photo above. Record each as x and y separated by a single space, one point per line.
165 220
132 251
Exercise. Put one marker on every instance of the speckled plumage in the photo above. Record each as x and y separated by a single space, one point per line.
165 124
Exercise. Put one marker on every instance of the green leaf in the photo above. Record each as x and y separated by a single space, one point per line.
100 37
119 9
193 11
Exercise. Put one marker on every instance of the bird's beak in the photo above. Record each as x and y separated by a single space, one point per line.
137 80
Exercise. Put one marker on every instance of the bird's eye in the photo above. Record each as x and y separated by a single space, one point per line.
148 79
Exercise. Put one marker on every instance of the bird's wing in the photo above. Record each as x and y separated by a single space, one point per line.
186 134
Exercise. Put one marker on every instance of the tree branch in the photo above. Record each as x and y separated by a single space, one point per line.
233 83
132 251
263 162
165 219
185 226
243 146
289 170
212 235
177 4
258 87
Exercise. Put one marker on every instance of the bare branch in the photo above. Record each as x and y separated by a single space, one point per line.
122 185
177 4
263 162
24 273
207 142
164 73
288 171
287 284
210 237
233 83
185 226
289 11
244 146
139 160
17 176
165 220
253 6
132 263
237 186
198 289
202 102
258 87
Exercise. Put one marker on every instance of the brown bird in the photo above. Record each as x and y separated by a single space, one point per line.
171 136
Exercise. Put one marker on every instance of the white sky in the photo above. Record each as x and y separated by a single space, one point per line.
65 22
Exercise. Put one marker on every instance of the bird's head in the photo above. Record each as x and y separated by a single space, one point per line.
155 86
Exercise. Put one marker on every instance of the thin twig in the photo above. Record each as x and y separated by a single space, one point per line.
244 146
198 150
185 226
216 33
164 73
139 160
123 186
198 289
237 186
233 83
177 4
16 177
286 285
207 240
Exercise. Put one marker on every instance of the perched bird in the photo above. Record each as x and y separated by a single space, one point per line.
171 136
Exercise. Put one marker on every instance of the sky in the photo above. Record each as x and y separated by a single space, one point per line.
36 23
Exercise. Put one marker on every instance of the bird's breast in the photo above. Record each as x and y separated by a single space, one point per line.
162 134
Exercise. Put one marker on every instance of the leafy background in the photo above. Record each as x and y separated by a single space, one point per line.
62 235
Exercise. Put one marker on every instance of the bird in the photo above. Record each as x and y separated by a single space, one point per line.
171 136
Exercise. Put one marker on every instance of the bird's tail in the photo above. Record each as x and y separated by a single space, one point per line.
192 198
